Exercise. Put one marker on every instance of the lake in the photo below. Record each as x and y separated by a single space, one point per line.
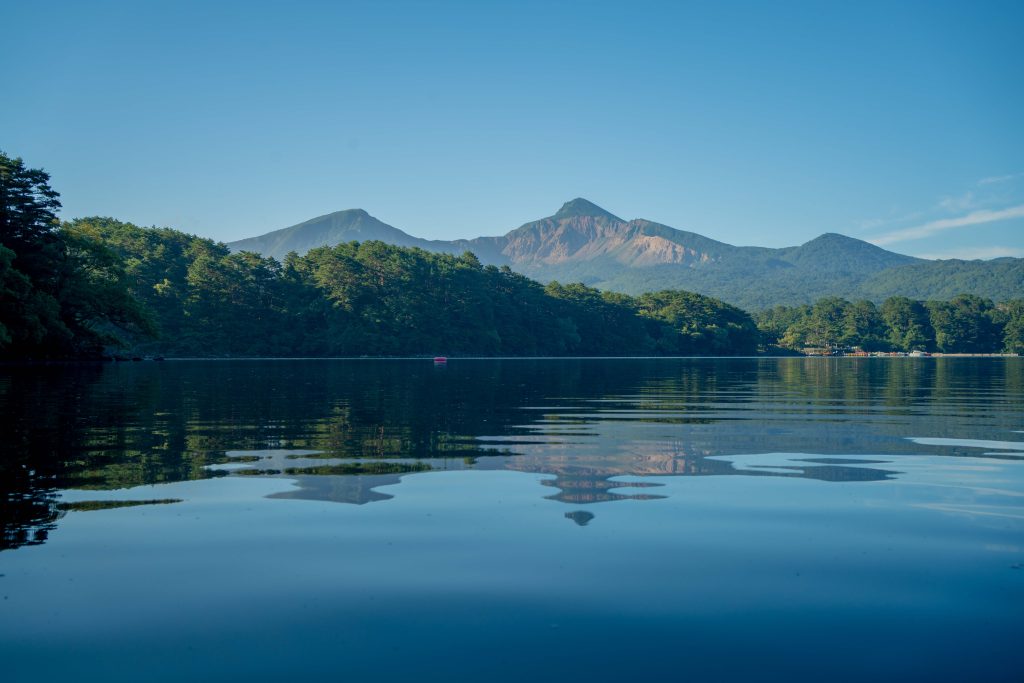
506 520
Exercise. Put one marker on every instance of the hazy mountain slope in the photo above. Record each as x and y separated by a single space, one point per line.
334 228
998 279
752 288
582 242
834 252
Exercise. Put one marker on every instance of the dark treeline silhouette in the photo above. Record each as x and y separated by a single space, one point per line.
62 291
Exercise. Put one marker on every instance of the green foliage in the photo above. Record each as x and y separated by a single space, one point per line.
696 324
774 322
863 326
907 325
757 279
375 299
28 205
63 293
965 324
598 324
996 279
566 248
27 315
1012 314
96 284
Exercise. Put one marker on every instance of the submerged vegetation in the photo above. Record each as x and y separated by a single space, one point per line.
96 286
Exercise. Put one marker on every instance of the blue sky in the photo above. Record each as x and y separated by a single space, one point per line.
752 123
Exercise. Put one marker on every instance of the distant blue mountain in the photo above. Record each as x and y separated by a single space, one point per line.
583 242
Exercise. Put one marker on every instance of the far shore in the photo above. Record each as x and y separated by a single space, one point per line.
115 361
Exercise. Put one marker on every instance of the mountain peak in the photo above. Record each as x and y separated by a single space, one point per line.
326 230
833 238
343 214
835 252
583 207
837 241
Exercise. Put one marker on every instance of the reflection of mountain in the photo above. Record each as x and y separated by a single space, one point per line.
587 487
585 422
580 517
353 489
581 485
579 480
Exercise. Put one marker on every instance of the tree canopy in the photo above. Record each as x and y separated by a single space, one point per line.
95 286
371 298
964 324
63 292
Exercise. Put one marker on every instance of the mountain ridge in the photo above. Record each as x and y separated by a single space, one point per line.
584 242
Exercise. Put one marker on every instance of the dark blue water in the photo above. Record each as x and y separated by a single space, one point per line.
747 519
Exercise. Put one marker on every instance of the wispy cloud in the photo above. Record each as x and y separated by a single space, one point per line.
928 229
970 253
993 180
957 204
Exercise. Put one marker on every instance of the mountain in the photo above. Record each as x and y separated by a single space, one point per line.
334 228
582 242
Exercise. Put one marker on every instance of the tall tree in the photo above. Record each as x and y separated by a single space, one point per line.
30 253
907 324
1013 326
64 292
965 324
825 326
28 207
863 326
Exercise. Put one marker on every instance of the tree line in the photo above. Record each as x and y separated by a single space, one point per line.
95 286
964 324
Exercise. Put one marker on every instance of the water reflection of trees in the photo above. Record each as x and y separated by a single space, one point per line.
585 422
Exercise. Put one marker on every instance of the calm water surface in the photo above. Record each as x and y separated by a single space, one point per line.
509 520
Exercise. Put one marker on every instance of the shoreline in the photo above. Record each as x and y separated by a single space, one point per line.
110 361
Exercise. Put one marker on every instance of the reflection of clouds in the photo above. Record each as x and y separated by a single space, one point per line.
802 465
1012 449
974 510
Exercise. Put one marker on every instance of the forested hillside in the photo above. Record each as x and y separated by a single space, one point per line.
371 298
964 324
63 292
582 242
96 286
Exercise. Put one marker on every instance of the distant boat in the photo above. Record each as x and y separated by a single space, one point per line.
440 360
